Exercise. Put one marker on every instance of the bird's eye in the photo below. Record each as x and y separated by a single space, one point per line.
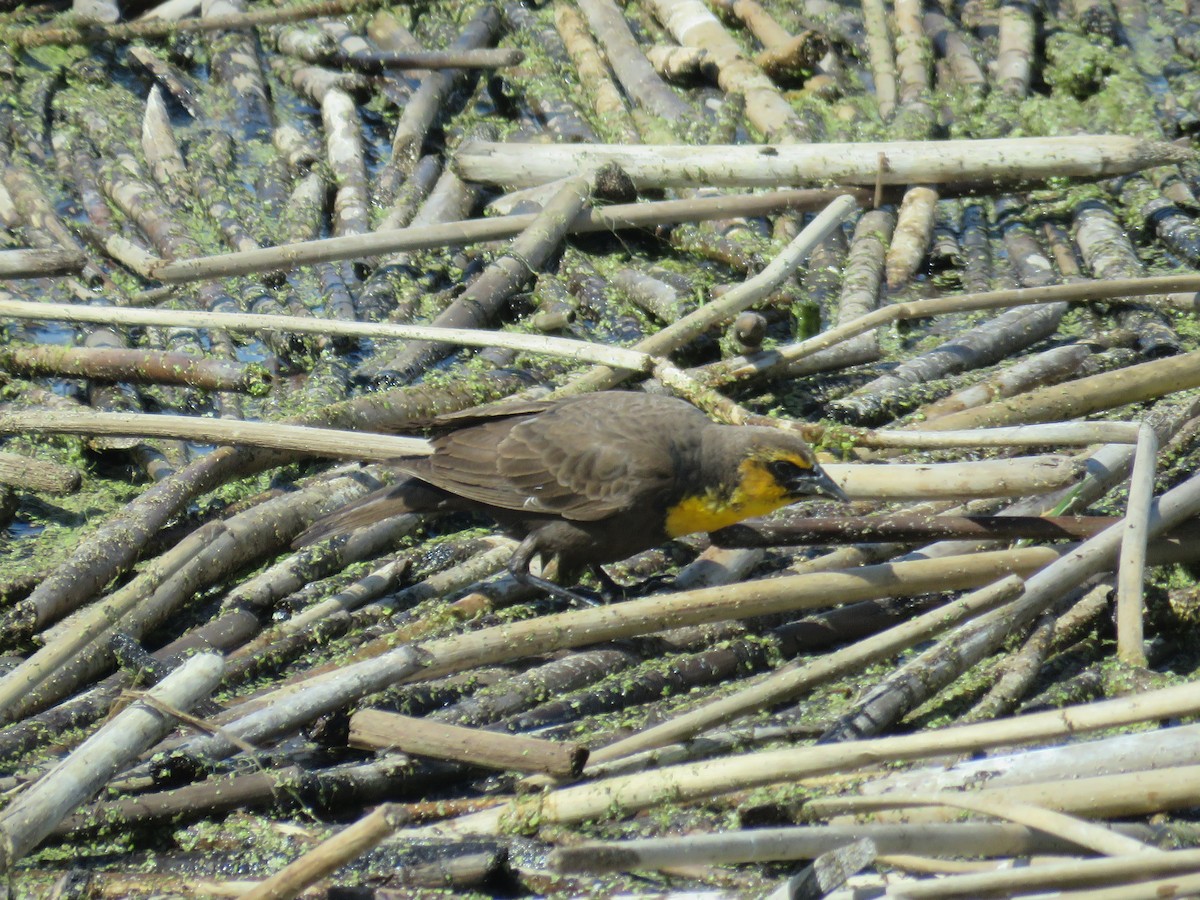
784 470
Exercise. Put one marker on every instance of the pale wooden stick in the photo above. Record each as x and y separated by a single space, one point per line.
1163 748
1092 837
347 845
1142 793
80 776
473 231
1132 563
37 474
774 165
1047 433
928 865
375 729
168 318
40 263
330 442
808 842
1080 873
130 255
1016 477
1179 886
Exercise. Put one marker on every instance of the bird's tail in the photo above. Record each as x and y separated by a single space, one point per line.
409 496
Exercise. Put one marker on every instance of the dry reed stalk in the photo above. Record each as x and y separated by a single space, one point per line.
374 729
570 349
39 263
1122 795
1087 835
1016 477
736 165
1046 433
471 231
1132 564
345 846
809 841
316 441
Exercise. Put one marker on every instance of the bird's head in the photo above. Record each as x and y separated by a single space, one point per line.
779 464
751 471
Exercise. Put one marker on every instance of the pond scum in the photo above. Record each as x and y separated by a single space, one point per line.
249 245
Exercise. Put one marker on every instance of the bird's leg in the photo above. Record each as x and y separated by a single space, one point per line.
518 567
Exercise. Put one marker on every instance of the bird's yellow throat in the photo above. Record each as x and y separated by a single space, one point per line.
756 494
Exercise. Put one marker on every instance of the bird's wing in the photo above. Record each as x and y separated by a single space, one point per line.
572 461
488 412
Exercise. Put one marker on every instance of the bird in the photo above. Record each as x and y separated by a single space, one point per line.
594 478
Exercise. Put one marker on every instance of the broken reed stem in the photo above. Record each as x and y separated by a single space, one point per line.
807 842
792 531
581 351
303 439
760 364
38 263
376 729
1081 873
37 474
474 231
330 855
1083 396
773 165
1016 477
380 62
1174 747
1044 434
1078 831
1132 564
138 366
1145 792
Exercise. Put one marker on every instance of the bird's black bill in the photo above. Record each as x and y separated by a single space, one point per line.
817 482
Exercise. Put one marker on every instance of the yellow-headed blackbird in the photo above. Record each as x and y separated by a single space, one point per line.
595 478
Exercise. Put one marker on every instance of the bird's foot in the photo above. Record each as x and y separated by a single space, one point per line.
558 592
611 591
